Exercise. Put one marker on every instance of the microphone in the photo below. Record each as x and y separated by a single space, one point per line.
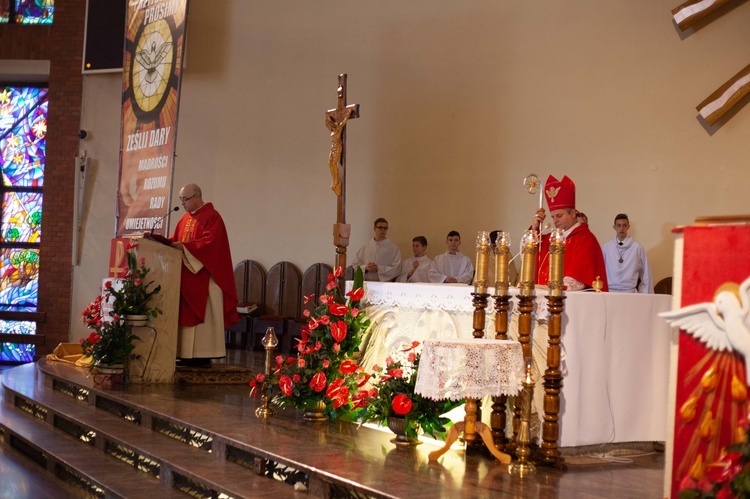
176 208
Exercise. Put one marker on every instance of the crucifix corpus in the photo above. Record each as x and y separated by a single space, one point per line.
336 120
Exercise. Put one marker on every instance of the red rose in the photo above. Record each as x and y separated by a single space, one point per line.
396 373
412 356
318 381
260 377
401 404
348 367
137 281
336 347
338 331
94 338
356 294
301 362
296 378
337 309
324 320
326 363
724 493
285 384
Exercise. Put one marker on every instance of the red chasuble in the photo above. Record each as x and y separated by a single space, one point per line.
583 258
205 237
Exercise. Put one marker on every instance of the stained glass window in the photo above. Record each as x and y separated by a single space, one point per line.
23 137
27 11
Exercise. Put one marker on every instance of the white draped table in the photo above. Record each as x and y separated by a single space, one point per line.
615 351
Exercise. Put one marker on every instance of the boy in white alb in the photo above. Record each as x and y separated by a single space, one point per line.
452 266
379 258
415 268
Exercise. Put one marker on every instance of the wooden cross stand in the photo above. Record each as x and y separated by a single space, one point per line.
336 120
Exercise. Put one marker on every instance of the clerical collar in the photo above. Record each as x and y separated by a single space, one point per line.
567 232
625 243
198 208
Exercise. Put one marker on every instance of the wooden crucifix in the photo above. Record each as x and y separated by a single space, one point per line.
336 120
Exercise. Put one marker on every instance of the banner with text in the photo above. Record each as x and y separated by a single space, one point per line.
152 71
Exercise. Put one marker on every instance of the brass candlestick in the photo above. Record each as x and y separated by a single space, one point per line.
269 342
483 252
498 418
523 467
528 262
556 252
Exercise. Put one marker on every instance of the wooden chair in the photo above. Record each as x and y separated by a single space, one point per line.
250 280
314 282
663 287
282 301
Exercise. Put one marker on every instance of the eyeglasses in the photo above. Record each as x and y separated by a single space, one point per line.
182 200
381 228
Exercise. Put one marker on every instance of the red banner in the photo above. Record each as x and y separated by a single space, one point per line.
711 394
154 48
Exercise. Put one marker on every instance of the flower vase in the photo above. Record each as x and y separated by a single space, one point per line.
109 375
136 320
398 426
315 411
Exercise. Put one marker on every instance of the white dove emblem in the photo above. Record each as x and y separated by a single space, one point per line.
721 325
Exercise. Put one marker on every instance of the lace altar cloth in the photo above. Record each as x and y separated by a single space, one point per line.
474 368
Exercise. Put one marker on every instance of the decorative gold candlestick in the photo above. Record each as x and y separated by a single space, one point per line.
523 467
480 283
498 418
269 342
553 376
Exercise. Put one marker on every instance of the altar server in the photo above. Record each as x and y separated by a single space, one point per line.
452 266
415 268
626 261
379 258
583 256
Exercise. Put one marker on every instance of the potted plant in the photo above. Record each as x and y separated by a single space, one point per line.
131 295
110 343
324 379
393 402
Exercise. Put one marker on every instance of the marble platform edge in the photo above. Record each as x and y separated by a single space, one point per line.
170 455
79 467
79 377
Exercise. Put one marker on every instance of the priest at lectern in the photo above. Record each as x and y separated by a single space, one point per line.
208 297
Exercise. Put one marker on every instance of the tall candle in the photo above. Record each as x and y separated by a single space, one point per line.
528 262
483 249
502 259
556 252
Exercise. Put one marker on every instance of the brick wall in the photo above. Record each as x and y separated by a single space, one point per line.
62 44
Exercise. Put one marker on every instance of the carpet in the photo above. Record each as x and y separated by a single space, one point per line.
217 374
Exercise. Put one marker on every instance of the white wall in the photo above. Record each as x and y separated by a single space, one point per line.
459 102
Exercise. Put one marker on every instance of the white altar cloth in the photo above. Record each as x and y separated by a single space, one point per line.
615 351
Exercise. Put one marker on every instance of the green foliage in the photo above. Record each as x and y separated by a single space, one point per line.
134 296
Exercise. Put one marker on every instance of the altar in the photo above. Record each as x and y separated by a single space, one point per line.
615 351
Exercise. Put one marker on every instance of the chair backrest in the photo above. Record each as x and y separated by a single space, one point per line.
314 282
250 280
663 287
283 287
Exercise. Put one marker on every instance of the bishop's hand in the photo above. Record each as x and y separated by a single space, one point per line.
539 216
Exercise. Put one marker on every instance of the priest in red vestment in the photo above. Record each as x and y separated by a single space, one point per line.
583 261
208 296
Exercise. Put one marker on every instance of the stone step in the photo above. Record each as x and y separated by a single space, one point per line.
185 466
81 466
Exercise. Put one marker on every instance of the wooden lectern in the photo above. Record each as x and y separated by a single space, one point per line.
154 356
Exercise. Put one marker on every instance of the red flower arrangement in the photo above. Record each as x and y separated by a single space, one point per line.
111 340
324 370
393 396
727 478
